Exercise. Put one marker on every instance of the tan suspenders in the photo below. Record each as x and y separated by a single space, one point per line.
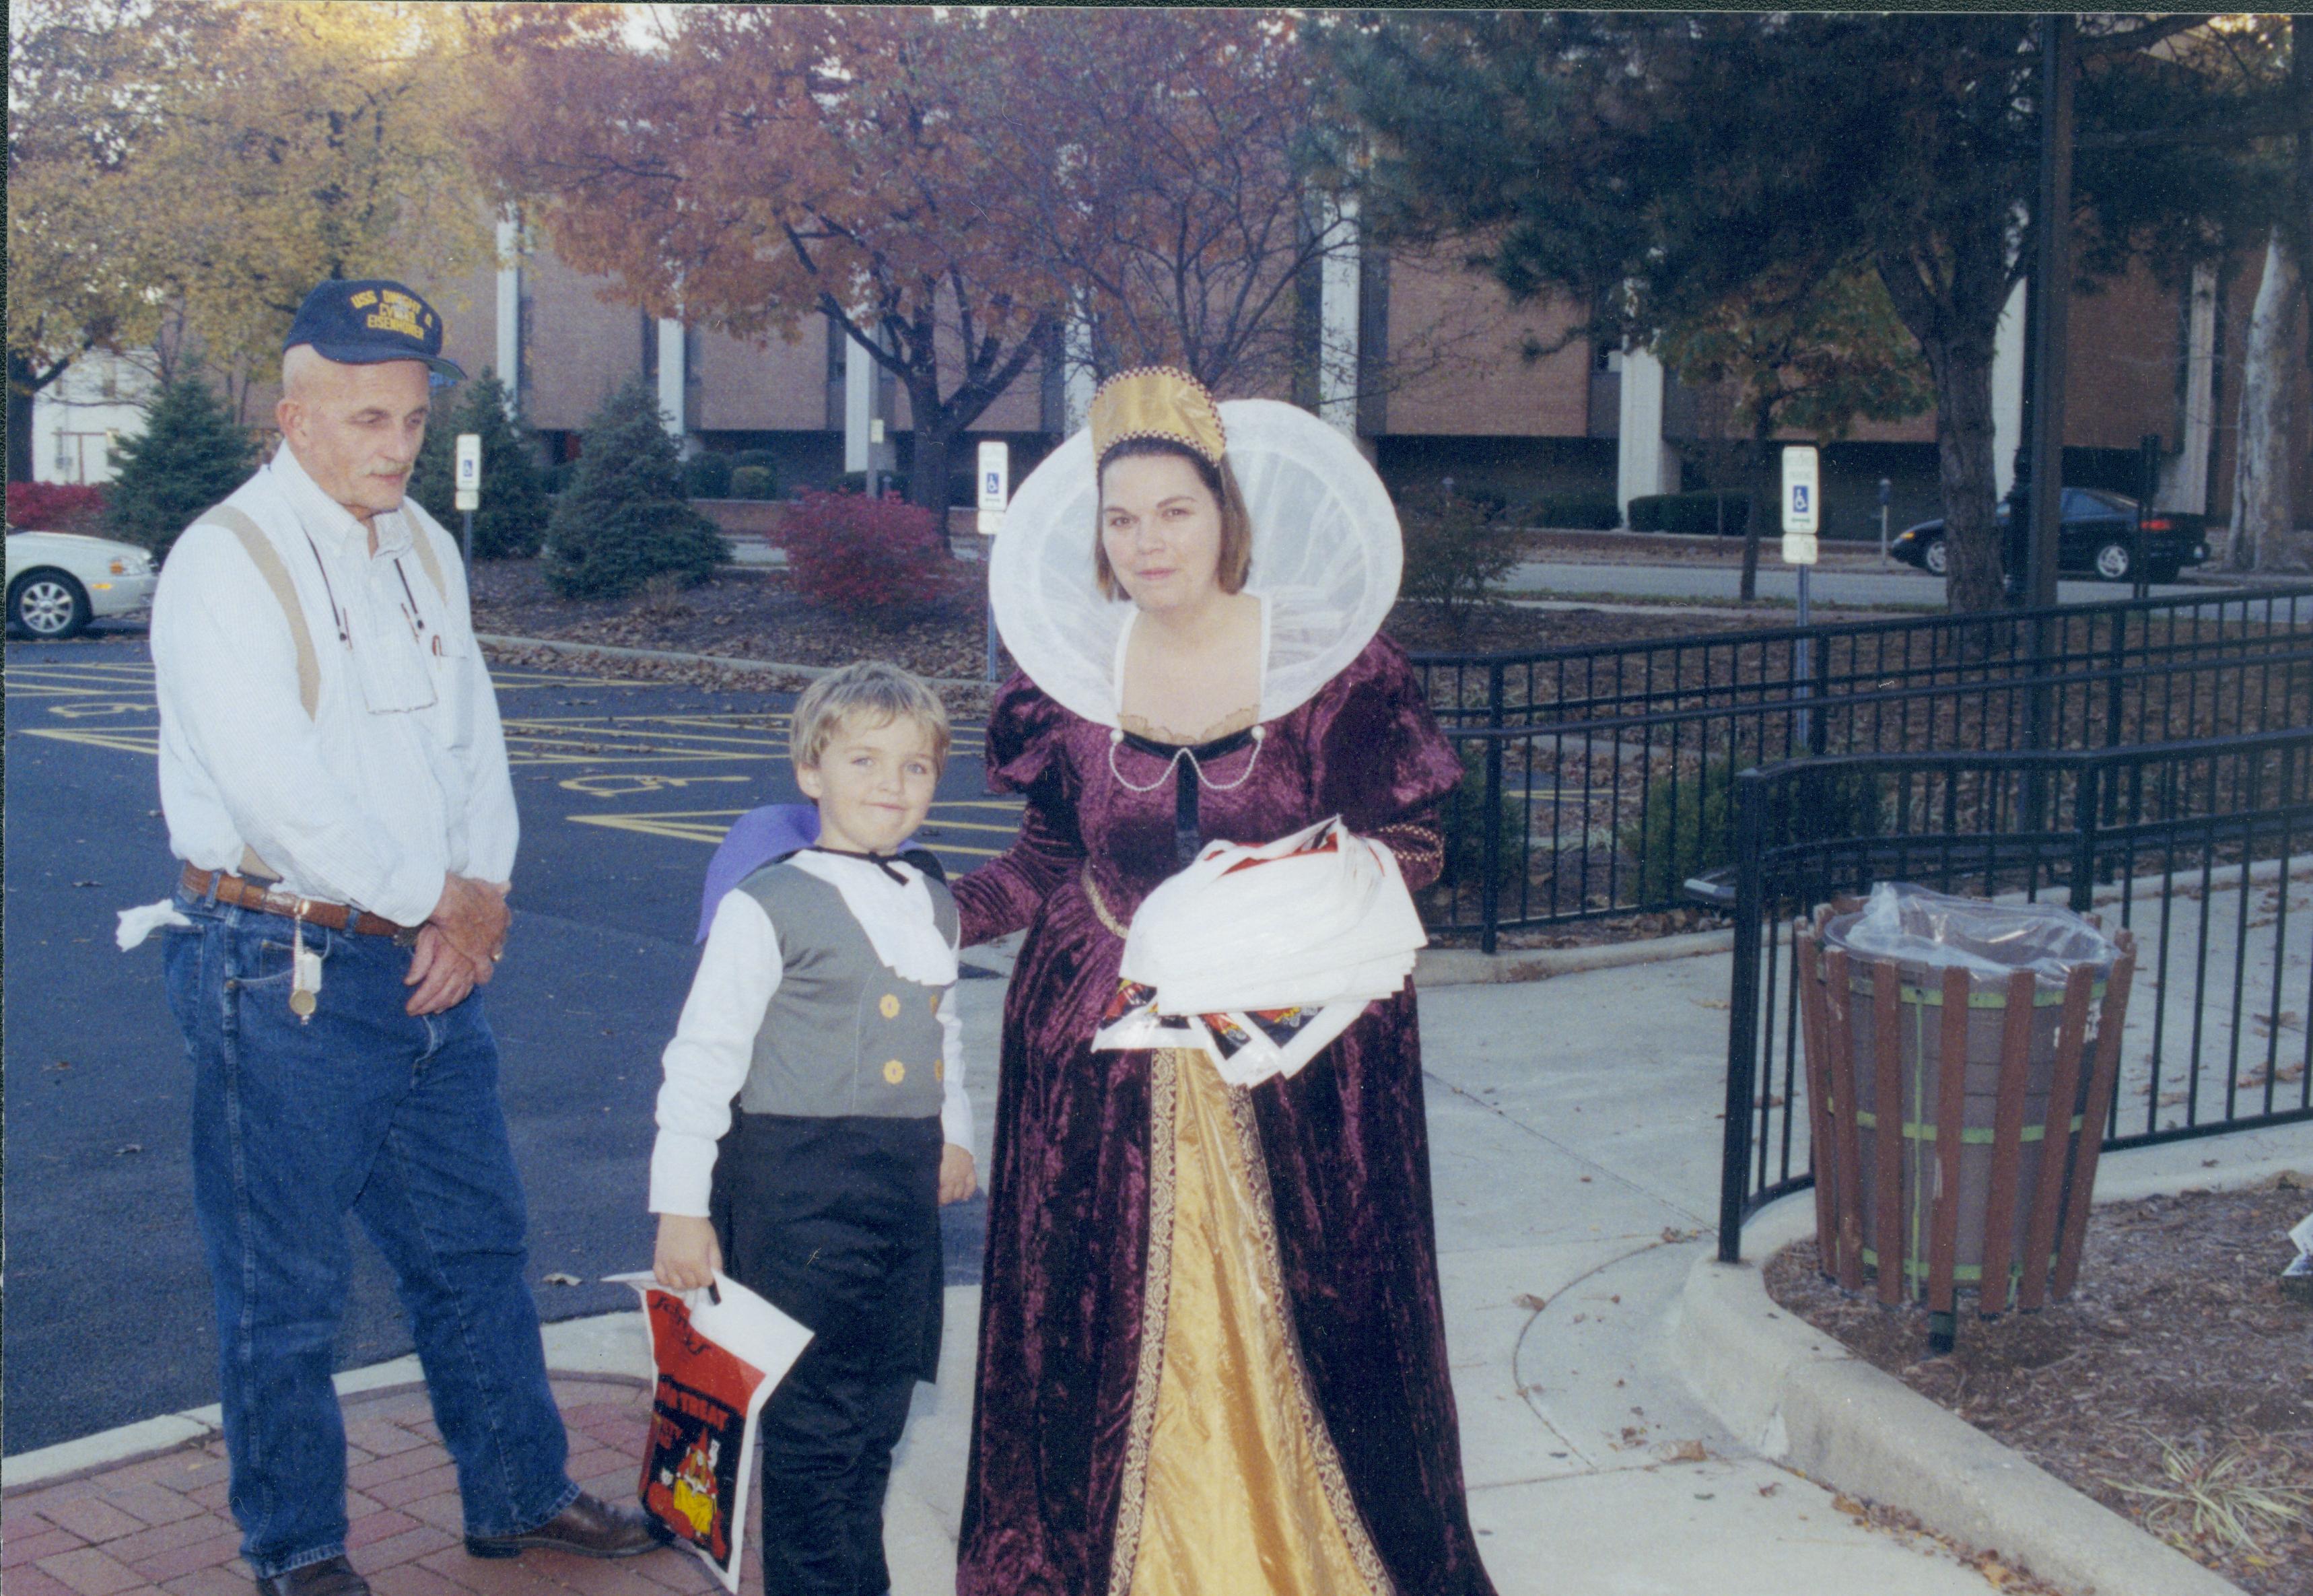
267 561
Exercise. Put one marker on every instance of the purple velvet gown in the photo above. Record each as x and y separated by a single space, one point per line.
1344 1143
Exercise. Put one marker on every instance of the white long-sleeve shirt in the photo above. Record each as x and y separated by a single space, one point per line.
400 778
714 1047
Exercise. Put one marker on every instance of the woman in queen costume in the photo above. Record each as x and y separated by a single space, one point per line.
1212 1358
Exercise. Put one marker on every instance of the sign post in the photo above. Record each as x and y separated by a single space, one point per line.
994 477
468 485
1802 522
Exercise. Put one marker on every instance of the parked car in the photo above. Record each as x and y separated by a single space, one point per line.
59 582
2096 539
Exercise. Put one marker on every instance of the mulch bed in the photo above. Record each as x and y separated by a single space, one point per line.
753 613
2175 1351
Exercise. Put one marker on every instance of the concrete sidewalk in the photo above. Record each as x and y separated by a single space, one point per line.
1575 1133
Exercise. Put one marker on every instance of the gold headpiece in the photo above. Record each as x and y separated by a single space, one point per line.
1157 401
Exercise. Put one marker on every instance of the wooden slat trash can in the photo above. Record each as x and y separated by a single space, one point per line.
1957 1109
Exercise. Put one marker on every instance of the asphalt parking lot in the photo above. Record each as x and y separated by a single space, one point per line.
624 787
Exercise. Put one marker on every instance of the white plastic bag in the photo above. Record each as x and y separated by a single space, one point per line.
719 1354
1917 925
1260 957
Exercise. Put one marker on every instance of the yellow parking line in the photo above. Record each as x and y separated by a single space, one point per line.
121 741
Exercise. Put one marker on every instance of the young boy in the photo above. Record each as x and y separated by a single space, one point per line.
825 1003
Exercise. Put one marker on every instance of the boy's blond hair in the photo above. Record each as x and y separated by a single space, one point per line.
875 688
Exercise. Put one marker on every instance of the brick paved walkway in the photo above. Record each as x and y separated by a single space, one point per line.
161 1524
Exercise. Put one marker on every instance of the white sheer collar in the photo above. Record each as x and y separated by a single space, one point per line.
1326 559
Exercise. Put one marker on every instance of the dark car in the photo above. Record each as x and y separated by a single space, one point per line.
2097 539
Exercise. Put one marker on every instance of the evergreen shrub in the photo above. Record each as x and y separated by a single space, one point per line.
1697 513
623 519
191 454
752 482
1577 511
707 477
510 524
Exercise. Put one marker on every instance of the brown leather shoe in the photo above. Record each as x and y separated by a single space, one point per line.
331 1576
589 1527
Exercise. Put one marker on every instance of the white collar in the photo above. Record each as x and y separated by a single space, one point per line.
896 915
317 513
1326 559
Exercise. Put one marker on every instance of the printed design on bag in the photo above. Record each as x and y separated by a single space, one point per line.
694 1462
690 1475
694 1465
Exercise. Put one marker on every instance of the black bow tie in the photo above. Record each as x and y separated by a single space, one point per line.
921 858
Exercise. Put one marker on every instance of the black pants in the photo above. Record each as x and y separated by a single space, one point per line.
828 1435
835 1221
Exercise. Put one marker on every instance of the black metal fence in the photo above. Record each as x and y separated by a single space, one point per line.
2202 847
1601 779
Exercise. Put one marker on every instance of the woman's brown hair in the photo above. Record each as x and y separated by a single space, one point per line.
1236 562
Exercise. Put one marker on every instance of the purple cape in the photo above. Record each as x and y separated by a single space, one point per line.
755 839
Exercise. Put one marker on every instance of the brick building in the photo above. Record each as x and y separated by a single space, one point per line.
1426 363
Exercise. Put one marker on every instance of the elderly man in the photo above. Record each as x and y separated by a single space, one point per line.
334 782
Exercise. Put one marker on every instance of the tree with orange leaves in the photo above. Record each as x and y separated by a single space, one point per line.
742 168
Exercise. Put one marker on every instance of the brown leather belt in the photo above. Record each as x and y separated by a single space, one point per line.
257 895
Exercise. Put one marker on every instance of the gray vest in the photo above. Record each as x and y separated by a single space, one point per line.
843 1035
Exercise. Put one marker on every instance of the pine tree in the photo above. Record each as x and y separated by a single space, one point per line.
192 454
623 519
512 520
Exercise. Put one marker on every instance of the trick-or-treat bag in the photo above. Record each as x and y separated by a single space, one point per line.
719 1355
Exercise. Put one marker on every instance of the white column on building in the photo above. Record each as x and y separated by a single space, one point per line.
858 404
1337 336
672 408
509 320
2008 391
1643 463
2185 475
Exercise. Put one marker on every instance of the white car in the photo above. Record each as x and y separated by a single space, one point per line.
59 582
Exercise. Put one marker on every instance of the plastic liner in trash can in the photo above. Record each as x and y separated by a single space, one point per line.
1961 1059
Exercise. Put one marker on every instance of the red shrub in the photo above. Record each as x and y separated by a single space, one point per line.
882 558
54 507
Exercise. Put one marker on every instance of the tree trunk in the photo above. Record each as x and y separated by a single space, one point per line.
2299 103
1964 469
927 469
2262 537
1765 492
24 384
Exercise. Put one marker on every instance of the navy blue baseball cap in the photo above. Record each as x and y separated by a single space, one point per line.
371 320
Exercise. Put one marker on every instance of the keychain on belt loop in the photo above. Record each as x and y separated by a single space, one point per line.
305 971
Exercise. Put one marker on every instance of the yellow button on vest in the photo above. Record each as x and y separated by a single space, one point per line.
895 1072
890 1005
939 1069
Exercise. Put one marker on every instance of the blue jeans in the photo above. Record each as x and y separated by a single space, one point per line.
362 1109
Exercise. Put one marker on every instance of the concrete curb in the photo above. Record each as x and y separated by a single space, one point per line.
1800 1398
607 1345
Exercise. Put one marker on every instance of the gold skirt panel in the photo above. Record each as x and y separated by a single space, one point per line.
1231 1483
